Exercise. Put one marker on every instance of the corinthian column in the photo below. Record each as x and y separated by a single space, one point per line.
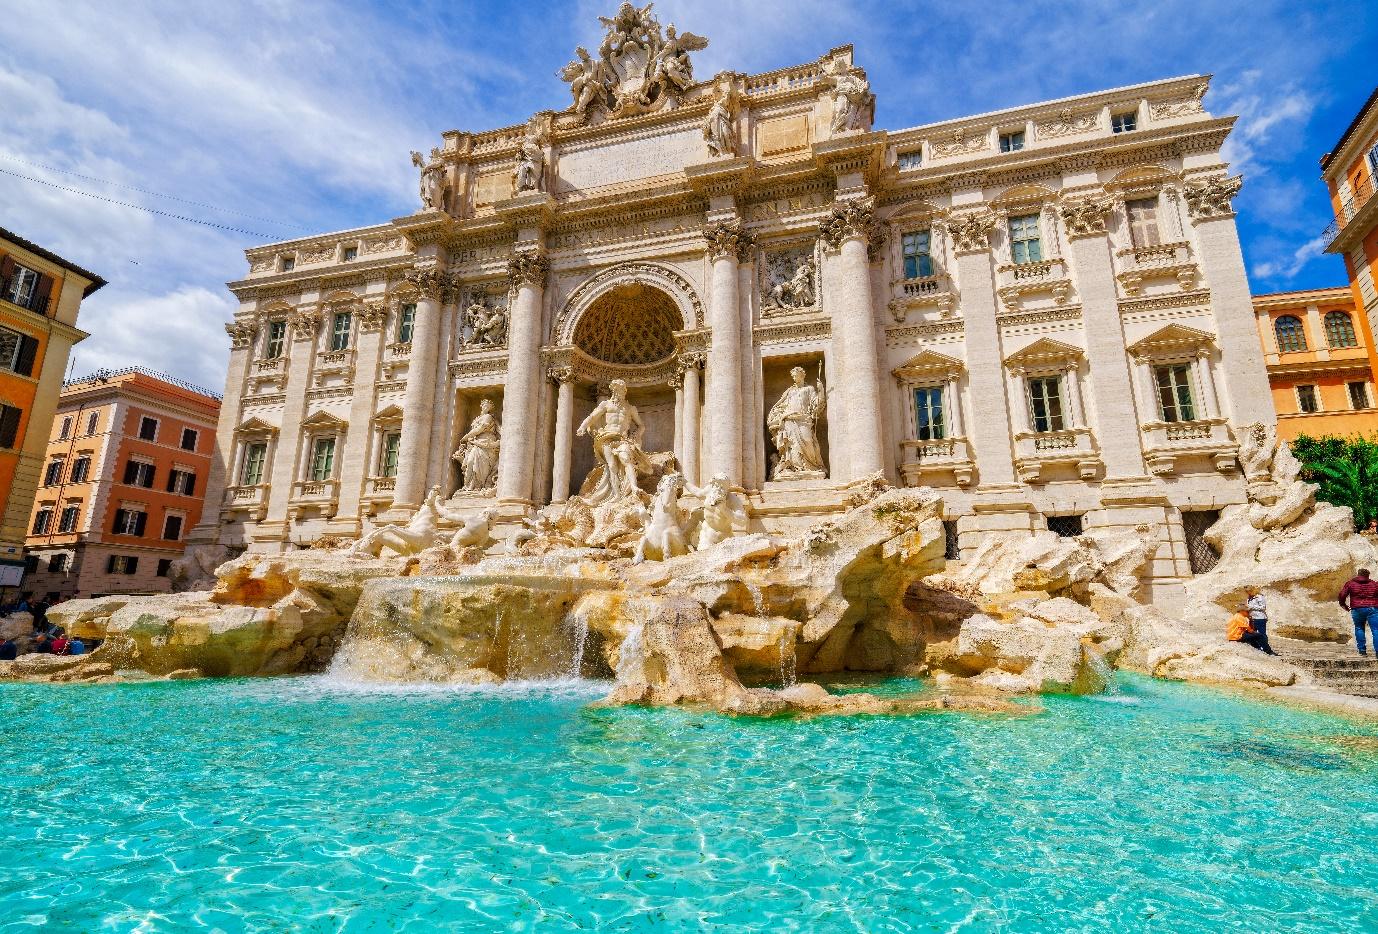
564 434
517 459
418 403
851 230
727 244
690 417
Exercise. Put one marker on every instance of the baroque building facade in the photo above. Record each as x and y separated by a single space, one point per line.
1041 311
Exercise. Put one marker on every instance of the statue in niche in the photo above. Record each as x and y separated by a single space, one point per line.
717 126
477 452
487 326
796 291
853 102
530 171
616 429
792 422
432 180
410 539
724 512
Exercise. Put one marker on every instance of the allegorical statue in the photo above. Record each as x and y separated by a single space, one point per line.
616 429
717 126
853 101
587 77
796 291
672 60
724 512
432 180
487 326
530 170
414 537
478 450
792 422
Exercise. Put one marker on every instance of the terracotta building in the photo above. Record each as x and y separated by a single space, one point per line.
40 293
1349 170
122 483
1320 357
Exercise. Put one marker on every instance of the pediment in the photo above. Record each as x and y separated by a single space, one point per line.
1024 195
255 426
324 420
1173 338
1142 176
391 413
929 363
1044 351
915 210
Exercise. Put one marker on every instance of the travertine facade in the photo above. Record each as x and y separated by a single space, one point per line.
1041 311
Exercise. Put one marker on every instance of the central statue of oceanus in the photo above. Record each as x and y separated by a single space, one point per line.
617 430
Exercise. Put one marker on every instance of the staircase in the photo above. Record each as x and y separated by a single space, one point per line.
1336 667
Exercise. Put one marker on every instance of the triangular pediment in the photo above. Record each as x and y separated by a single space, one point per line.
391 413
1172 338
324 420
1044 350
929 363
255 425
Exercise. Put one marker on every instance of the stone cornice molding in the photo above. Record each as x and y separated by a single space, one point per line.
848 220
1211 198
971 232
728 239
1086 217
242 334
530 267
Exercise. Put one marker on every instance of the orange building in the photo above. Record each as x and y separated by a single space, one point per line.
40 294
1350 170
1320 358
122 484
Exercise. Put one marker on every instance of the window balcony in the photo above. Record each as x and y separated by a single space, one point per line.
1158 261
1036 451
275 365
252 499
321 495
399 349
923 462
334 363
1166 442
922 291
1360 200
1016 280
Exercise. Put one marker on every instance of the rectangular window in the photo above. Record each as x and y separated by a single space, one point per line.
1126 122
164 566
9 425
42 522
139 473
30 564
1064 526
130 522
181 481
1175 402
57 563
1011 142
1045 403
918 257
1307 399
1373 161
909 160
392 444
289 263
1143 221
148 429
254 456
406 322
189 436
351 253
81 469
277 340
65 431
122 564
92 423
17 352
172 528
1026 242
22 286
323 459
68 521
52 476
1358 395
930 423
339 331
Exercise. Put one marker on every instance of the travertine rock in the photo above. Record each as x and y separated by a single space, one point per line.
1057 646
1045 561
1228 663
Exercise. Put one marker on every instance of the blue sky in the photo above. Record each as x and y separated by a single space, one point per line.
301 115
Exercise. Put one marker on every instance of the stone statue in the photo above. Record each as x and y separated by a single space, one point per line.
473 532
672 61
616 429
664 537
587 79
792 422
724 512
853 102
717 126
638 69
487 326
530 172
432 180
413 538
478 451
796 291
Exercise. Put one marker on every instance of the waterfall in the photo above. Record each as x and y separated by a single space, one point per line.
758 600
581 637
1098 673
788 659
631 657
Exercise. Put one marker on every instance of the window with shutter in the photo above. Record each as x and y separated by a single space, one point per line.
1143 221
28 352
42 521
81 469
10 344
9 425
172 528
110 564
189 436
148 429
131 470
131 564
140 522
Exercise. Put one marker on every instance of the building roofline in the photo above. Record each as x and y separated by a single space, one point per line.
102 378
1292 296
50 256
1349 130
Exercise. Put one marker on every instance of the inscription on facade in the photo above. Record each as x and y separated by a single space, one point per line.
638 158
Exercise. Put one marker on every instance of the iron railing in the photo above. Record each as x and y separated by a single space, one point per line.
1348 208
103 376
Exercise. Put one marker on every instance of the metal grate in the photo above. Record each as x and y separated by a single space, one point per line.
951 541
1065 526
1199 551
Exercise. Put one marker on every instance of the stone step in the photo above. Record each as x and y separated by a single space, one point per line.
1335 664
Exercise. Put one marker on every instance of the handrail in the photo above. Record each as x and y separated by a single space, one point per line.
1348 208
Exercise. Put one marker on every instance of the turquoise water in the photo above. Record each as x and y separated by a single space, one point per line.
298 805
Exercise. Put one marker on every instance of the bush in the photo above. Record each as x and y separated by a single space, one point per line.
1345 469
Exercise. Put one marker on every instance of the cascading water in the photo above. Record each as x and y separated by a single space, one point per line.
788 659
631 657
580 624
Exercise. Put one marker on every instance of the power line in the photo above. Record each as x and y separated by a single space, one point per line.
148 191
138 207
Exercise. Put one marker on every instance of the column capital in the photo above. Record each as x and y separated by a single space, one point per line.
1210 198
728 238
431 281
305 323
971 231
852 220
529 267
241 333
561 374
372 316
1086 217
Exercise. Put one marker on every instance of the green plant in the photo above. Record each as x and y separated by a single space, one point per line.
1345 469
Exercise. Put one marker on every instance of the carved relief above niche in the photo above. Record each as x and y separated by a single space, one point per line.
789 279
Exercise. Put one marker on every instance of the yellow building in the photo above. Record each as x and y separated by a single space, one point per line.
1321 365
40 294
1350 171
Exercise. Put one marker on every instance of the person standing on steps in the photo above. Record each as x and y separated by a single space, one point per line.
1257 608
1359 596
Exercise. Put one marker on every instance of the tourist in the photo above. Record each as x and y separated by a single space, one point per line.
1372 529
1240 629
1359 596
42 645
60 642
1257 608
8 651
76 646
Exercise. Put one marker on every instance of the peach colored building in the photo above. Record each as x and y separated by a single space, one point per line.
122 484
1320 357
1350 171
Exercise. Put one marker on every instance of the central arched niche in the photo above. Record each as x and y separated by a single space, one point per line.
629 325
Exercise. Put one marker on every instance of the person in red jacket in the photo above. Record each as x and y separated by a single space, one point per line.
1360 597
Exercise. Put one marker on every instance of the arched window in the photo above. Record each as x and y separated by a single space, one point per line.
1291 337
1339 329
